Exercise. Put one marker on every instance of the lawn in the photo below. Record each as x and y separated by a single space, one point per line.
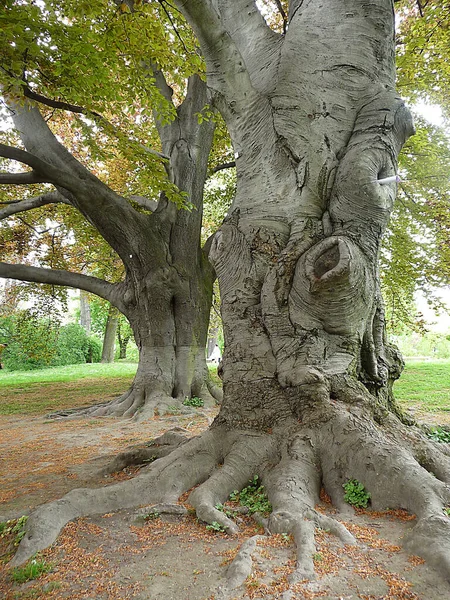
424 387
41 391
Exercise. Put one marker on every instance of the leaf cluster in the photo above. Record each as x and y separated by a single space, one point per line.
438 434
253 496
356 494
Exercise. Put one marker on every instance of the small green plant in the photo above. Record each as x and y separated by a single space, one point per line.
32 570
356 494
152 516
226 511
14 527
438 434
194 401
317 556
215 526
253 497
447 510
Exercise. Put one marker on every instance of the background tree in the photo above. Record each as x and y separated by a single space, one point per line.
316 127
167 284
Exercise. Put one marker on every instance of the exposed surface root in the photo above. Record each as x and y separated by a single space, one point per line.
333 444
147 453
142 402
136 403
239 569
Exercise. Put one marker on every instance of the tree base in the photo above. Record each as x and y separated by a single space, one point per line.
141 403
335 442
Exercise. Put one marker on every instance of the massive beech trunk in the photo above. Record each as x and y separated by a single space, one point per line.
316 124
167 291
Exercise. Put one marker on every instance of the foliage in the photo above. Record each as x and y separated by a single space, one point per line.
356 494
31 341
33 569
152 516
430 344
75 346
230 513
194 401
34 343
447 511
253 497
438 434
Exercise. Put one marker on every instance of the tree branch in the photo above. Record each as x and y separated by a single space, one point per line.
42 171
146 203
99 287
30 203
283 14
227 73
97 117
22 178
223 166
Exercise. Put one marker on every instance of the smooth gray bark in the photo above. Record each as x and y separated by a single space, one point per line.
85 312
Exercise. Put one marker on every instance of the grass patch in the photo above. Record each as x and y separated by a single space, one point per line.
46 390
33 569
425 387
212 368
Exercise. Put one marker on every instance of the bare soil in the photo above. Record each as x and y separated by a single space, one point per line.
120 555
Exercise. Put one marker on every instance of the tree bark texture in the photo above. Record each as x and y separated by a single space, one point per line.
315 123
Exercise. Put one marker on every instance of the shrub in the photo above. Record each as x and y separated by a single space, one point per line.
31 341
74 346
194 401
438 434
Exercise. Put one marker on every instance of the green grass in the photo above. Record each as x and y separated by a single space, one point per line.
425 387
43 391
68 373
32 570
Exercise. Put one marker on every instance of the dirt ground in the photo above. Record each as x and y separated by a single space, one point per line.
120 555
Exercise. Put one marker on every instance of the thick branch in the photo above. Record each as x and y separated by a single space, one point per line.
227 73
59 277
97 117
42 170
22 178
30 203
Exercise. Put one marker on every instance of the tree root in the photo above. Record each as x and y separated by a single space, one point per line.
145 454
139 403
294 461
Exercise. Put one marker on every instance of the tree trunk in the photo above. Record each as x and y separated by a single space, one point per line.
123 337
109 338
316 126
167 290
85 312
169 281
